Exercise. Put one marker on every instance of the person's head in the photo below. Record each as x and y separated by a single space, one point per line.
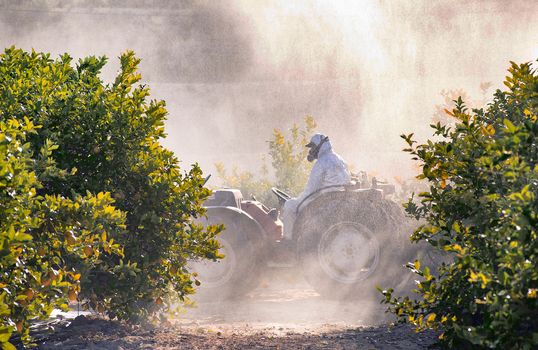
315 145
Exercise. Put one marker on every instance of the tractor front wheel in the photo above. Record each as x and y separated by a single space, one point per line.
237 273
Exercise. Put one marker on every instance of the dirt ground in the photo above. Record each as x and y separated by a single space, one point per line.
283 316
102 334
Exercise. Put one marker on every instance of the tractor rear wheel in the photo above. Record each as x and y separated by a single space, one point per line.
348 244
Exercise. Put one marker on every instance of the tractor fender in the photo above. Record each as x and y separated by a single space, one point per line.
338 196
253 228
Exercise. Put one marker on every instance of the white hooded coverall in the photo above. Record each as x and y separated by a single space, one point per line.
330 169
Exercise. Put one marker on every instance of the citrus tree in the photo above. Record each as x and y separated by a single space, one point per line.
250 185
482 208
288 156
290 169
38 232
107 139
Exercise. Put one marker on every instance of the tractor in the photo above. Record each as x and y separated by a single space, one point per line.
346 240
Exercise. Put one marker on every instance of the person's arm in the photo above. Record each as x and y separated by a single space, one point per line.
315 180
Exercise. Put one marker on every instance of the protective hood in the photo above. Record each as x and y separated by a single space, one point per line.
319 144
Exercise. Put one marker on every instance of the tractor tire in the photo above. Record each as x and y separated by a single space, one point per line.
348 243
238 272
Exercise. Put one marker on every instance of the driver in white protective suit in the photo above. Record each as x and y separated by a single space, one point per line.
329 169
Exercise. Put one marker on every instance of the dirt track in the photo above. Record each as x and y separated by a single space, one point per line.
101 334
276 317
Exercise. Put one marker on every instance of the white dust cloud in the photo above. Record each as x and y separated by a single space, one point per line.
231 71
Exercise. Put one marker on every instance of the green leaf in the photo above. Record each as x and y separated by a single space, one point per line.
8 346
5 334
511 127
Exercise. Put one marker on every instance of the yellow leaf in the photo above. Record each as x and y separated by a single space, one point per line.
453 247
46 282
448 112
29 294
109 209
8 346
484 280
72 295
473 277
88 251
488 130
70 238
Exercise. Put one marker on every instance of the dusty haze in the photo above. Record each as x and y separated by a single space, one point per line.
231 71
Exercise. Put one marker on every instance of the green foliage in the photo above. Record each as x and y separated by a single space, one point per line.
290 169
107 140
38 232
482 208
247 182
442 111
288 157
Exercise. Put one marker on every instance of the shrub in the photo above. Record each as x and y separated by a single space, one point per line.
288 157
108 141
38 232
481 207
247 182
